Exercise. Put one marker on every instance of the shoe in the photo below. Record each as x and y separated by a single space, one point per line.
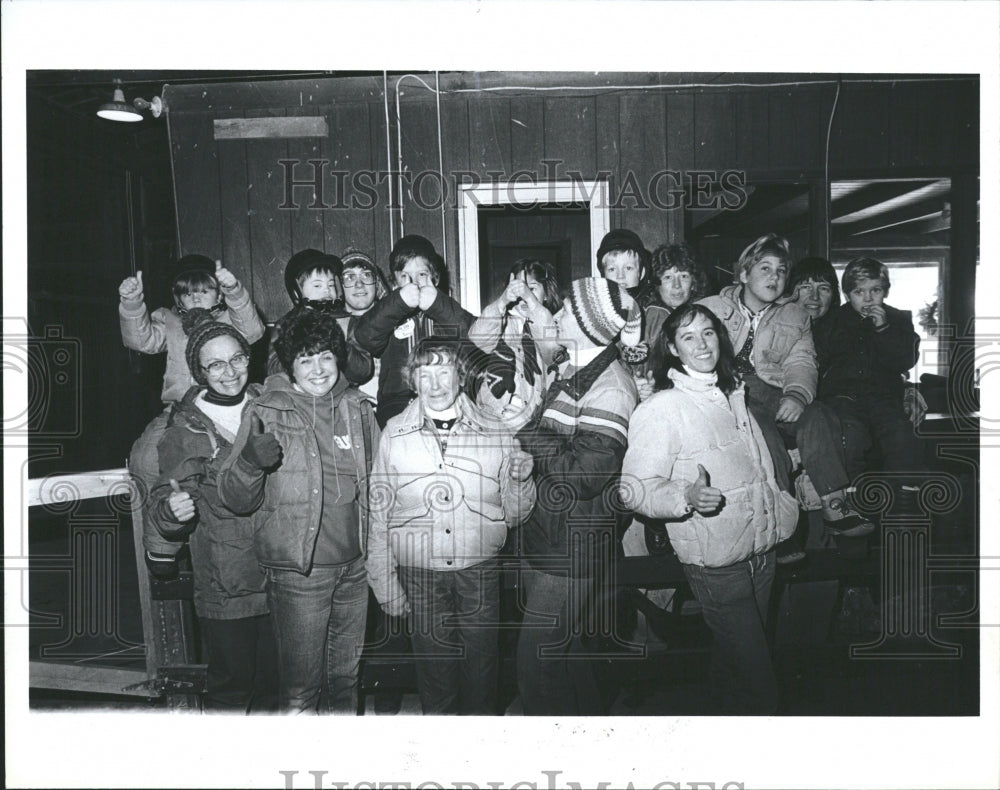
787 552
850 526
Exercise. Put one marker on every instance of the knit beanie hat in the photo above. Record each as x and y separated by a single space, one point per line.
352 258
200 328
622 240
306 261
604 310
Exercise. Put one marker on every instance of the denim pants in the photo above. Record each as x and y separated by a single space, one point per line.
816 433
242 664
882 422
455 636
319 622
734 602
555 674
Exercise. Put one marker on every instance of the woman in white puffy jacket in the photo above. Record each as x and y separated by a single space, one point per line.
696 457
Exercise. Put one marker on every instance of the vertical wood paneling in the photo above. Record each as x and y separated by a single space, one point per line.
270 229
196 169
643 155
570 134
797 128
964 149
234 206
306 223
420 155
455 134
714 131
527 134
380 214
680 150
752 131
489 135
860 136
609 145
349 149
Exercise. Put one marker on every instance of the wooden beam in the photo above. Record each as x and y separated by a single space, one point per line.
877 192
284 127
89 678
59 489
856 231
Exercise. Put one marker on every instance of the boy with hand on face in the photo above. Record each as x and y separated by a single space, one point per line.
415 309
777 361
865 349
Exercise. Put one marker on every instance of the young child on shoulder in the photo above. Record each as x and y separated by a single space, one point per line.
777 361
198 282
415 309
512 334
866 349
313 279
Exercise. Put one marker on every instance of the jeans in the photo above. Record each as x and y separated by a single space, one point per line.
882 422
555 674
455 621
734 604
319 622
816 433
242 664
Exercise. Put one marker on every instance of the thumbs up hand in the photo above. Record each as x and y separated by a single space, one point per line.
226 279
131 288
701 496
262 450
180 503
521 464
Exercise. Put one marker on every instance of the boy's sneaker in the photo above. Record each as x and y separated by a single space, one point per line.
851 525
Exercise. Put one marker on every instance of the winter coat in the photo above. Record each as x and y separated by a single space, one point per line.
287 503
673 432
444 511
783 352
856 359
163 331
228 582
391 330
516 408
578 442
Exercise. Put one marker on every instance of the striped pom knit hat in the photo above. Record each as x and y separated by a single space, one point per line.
604 310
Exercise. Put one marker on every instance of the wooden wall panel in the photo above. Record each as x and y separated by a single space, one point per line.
307 223
643 154
860 135
608 107
489 136
234 207
270 228
349 150
753 146
196 184
455 138
378 216
527 134
714 131
796 127
422 215
570 135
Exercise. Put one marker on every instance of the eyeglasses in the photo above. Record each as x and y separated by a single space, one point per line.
365 278
238 363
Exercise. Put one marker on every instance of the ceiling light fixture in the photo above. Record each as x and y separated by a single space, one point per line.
119 110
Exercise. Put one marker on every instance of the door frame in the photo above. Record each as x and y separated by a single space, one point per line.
594 194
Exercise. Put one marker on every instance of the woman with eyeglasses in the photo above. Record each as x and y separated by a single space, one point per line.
237 636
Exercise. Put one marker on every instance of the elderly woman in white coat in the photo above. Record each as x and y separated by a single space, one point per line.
696 457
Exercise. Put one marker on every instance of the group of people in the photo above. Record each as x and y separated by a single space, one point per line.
399 443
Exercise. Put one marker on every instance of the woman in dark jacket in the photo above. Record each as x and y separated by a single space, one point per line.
236 632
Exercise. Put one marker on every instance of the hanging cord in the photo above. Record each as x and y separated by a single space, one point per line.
826 170
437 99
388 154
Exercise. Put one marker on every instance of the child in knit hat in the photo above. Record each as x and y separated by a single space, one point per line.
577 442
198 282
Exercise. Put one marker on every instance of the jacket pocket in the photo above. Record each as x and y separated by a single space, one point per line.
787 515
